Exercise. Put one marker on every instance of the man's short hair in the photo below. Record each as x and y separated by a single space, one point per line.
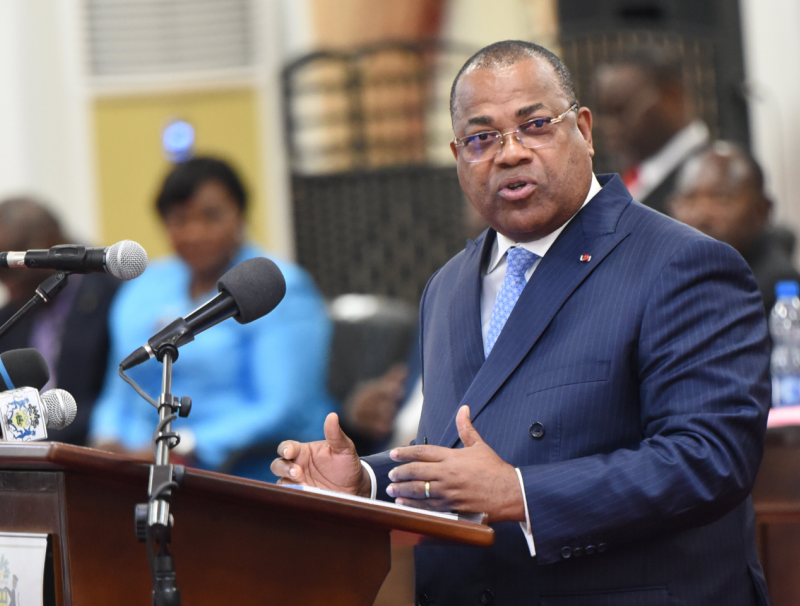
509 52
186 178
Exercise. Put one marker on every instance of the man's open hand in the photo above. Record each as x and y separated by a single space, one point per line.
469 479
331 463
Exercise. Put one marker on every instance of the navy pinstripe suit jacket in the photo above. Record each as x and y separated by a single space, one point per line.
645 372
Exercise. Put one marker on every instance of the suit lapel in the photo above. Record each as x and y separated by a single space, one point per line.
465 316
593 232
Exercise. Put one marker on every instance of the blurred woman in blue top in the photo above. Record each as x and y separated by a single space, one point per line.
250 384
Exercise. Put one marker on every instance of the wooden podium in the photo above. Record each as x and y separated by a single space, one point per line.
235 541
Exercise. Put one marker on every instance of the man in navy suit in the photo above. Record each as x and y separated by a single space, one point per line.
595 377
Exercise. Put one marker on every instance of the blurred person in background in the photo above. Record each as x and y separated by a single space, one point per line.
71 331
721 193
648 122
369 413
249 383
390 407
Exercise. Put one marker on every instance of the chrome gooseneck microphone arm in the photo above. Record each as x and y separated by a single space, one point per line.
247 292
153 519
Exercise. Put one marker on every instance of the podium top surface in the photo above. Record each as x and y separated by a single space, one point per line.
406 526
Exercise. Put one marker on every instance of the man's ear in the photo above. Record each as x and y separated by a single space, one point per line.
585 121
454 149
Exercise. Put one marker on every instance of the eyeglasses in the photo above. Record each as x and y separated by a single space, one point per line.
530 134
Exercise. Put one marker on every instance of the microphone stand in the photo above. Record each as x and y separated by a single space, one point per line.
45 292
153 519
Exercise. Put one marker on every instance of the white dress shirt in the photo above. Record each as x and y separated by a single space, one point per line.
496 269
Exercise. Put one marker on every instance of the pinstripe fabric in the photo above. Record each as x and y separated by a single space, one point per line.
648 369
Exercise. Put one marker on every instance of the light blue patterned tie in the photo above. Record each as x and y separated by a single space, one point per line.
519 261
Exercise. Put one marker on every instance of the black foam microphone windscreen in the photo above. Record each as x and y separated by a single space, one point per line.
256 285
23 368
248 291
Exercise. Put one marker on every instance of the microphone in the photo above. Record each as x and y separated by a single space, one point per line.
125 260
25 416
248 291
23 368
23 372
60 408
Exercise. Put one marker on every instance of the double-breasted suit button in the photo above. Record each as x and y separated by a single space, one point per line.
601 547
487 597
577 552
590 550
422 600
566 552
537 431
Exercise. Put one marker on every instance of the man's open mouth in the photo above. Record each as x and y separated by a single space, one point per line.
516 190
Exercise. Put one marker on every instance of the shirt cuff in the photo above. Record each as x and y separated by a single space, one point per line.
526 527
373 483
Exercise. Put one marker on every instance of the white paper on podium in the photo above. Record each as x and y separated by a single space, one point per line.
475 518
22 568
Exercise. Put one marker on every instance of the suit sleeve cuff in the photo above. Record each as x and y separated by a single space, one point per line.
526 527
373 482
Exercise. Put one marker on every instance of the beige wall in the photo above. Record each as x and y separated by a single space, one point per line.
131 166
772 62
45 147
348 23
479 23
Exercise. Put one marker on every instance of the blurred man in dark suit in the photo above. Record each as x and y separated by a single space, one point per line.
648 121
721 193
71 332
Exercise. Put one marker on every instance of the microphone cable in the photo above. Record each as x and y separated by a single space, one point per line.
138 389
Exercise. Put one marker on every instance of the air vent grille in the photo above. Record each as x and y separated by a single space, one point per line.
143 37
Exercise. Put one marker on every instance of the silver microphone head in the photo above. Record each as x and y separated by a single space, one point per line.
60 408
126 260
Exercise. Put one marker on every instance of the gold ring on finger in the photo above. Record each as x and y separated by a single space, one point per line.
427 490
